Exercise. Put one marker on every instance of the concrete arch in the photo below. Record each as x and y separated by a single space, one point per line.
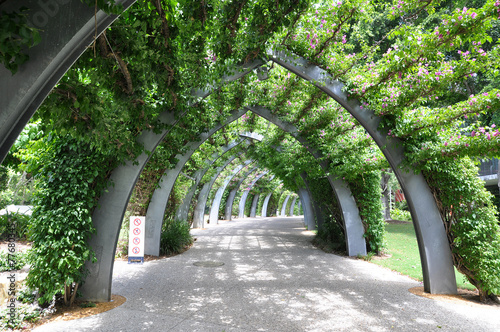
22 94
199 210
183 210
67 28
265 203
214 210
158 203
292 206
243 199
232 195
305 197
253 209
435 252
353 226
283 208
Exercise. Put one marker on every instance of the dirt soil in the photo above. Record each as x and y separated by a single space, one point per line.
75 311
464 296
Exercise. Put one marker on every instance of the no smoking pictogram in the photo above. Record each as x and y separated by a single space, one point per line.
136 236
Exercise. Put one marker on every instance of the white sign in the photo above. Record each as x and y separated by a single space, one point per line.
136 240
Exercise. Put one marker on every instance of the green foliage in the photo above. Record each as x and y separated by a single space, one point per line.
21 224
367 192
429 70
18 188
175 237
87 305
16 36
19 260
470 221
71 176
330 238
403 215
24 313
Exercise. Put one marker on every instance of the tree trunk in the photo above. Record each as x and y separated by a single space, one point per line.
386 194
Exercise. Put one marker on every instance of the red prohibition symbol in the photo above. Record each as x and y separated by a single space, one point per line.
137 221
136 240
136 250
137 231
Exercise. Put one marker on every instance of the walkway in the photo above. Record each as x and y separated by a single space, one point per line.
272 279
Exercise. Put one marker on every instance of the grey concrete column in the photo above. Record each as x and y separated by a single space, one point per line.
229 203
253 209
292 206
308 210
434 248
183 210
318 215
283 208
243 199
199 210
159 200
264 205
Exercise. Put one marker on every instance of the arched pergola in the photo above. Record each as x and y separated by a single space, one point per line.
66 35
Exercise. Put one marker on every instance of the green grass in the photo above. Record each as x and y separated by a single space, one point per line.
403 248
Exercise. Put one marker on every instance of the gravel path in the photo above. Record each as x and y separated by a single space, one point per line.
272 279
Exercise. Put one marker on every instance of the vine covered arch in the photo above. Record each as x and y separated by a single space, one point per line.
429 245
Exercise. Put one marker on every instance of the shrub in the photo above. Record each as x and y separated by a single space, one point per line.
18 262
175 237
330 237
403 215
21 222
471 225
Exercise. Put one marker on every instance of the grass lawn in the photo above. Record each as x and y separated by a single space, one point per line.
403 248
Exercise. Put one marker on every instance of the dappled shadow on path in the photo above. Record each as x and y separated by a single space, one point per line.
272 279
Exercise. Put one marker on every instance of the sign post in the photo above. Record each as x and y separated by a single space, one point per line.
136 240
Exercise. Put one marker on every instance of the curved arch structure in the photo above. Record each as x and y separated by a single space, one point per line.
435 253
292 206
283 208
243 199
199 210
183 210
159 200
253 209
353 226
67 28
305 198
266 202
232 194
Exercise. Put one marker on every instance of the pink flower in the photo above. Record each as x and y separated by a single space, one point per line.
445 143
